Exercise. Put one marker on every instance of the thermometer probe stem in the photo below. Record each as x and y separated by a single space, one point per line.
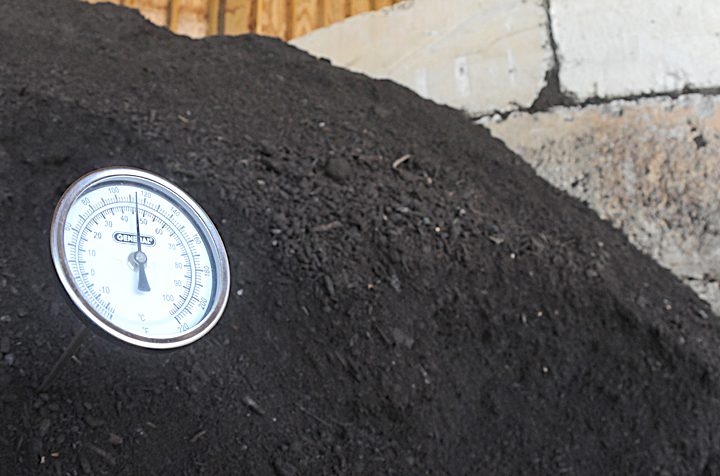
70 350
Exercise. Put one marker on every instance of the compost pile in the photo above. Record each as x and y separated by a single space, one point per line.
408 297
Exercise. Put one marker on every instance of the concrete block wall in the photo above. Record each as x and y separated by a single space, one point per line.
616 102
650 166
616 48
454 54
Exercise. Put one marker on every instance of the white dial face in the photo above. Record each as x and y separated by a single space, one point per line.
159 289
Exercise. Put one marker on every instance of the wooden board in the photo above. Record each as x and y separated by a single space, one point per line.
333 11
213 17
360 6
192 18
378 4
173 14
272 18
154 10
237 16
303 17
284 19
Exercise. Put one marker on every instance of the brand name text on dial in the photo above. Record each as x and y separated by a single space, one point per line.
132 239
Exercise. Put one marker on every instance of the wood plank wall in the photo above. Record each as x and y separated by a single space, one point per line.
284 19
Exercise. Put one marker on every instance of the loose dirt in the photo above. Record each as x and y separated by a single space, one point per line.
453 314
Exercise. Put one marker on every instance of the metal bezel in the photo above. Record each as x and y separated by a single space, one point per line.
189 206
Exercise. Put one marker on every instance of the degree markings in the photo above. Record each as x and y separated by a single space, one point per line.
169 219
191 299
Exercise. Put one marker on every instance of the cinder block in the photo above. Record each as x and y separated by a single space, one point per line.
650 167
620 48
477 55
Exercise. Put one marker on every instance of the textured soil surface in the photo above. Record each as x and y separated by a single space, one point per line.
451 315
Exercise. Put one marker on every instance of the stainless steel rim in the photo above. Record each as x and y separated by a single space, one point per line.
197 215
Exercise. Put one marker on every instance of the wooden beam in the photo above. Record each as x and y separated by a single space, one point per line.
190 17
173 14
272 18
378 4
213 13
333 11
154 10
303 17
285 19
237 16
360 6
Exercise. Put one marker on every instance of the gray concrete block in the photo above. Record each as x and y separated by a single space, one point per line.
478 55
651 167
620 48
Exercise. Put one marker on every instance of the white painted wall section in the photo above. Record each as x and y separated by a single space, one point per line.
477 55
616 48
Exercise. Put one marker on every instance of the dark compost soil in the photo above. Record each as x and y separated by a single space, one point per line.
452 315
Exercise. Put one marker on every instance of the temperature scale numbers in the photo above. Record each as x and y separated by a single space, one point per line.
101 242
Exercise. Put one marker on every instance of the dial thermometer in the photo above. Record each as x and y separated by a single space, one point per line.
139 258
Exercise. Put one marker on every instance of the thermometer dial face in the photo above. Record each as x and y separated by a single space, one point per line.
139 258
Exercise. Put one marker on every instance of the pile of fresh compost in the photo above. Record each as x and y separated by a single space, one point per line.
408 297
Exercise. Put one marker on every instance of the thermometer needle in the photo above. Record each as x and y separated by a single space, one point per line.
140 257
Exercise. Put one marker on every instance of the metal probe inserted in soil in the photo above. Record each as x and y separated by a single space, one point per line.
70 350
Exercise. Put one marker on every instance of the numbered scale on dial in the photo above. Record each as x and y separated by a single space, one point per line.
139 258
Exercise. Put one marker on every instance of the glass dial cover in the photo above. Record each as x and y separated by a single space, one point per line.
139 258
